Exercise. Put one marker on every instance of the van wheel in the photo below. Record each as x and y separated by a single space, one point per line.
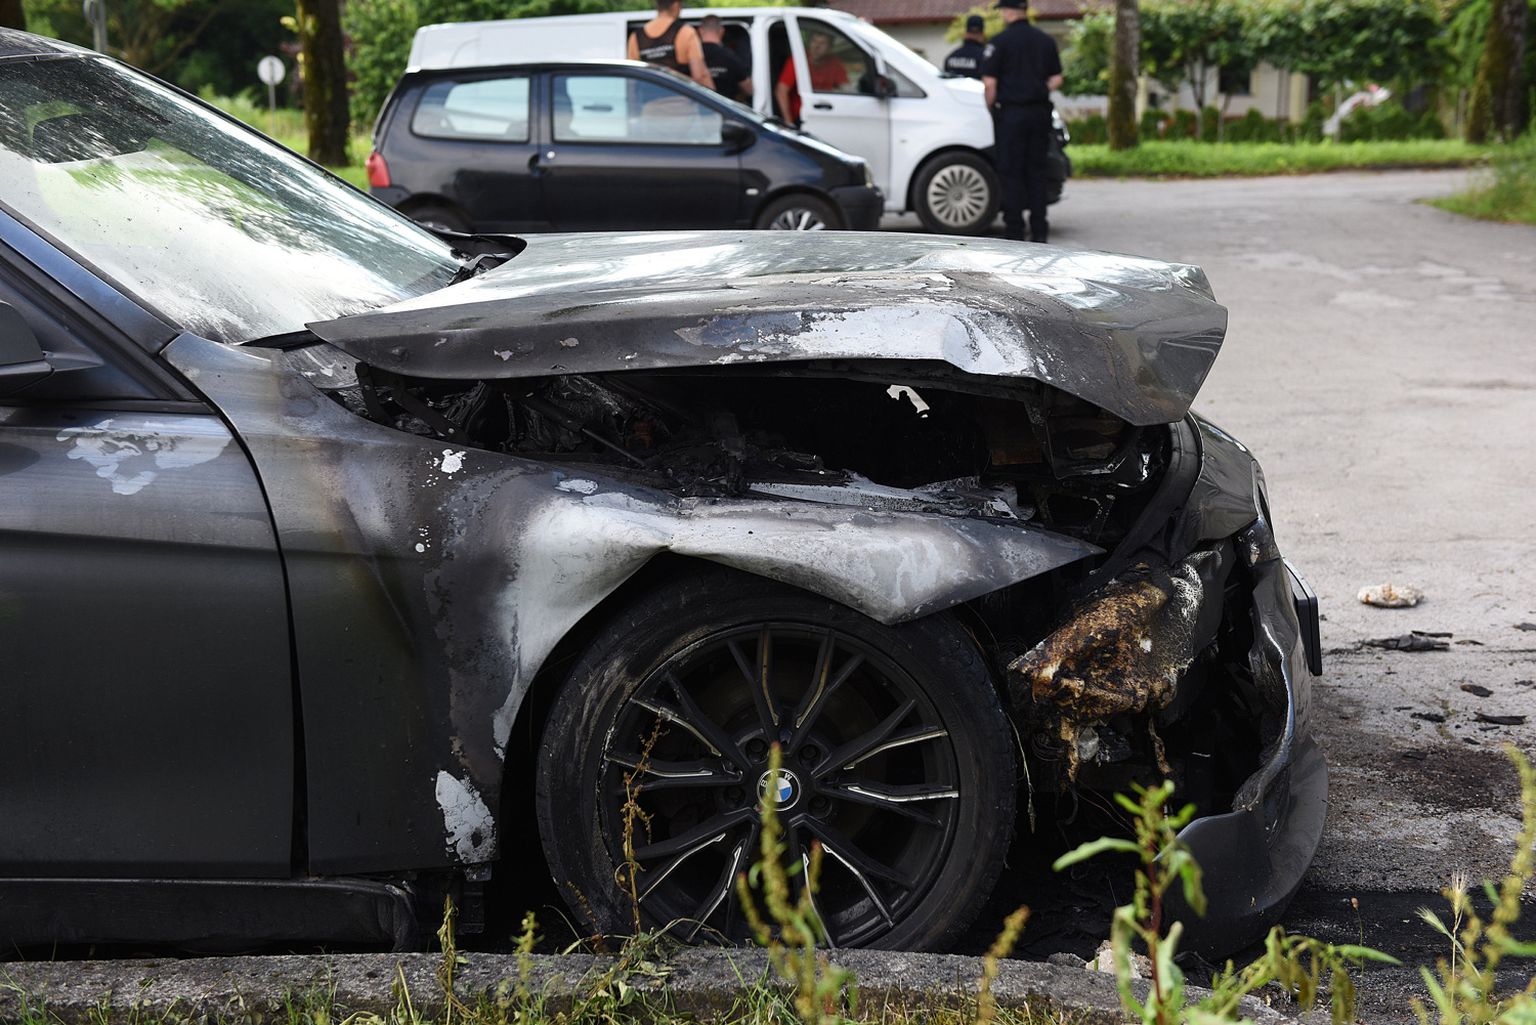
799 213
957 194
439 218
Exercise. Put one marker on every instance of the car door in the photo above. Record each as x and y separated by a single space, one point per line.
147 695
633 151
470 138
838 80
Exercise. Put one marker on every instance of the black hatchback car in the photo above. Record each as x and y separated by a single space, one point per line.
603 144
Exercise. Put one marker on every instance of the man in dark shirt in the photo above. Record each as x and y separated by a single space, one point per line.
1021 67
732 79
966 58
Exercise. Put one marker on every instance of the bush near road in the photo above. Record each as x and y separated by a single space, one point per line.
1509 194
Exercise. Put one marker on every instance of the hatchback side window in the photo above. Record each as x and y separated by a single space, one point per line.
485 108
617 108
837 64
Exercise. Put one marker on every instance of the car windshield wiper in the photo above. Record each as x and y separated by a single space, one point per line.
476 265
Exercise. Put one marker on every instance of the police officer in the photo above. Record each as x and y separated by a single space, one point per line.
1019 70
730 74
966 58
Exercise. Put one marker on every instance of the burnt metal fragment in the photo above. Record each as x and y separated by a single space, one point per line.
1501 720
1417 640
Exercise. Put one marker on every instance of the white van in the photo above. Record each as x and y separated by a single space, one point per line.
927 138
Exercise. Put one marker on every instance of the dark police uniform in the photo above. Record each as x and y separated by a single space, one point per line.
1022 58
965 59
727 68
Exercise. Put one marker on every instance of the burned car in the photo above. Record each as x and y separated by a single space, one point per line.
344 566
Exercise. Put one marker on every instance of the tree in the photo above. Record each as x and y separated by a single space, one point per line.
1124 69
12 14
323 59
149 34
1498 95
1184 41
1085 65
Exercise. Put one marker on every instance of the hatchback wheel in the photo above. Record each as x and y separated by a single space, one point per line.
957 193
799 213
439 218
896 759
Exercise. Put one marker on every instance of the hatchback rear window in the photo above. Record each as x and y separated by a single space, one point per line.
484 108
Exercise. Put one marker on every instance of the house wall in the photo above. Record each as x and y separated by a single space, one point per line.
927 37
1273 92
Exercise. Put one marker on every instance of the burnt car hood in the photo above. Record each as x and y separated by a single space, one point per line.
1135 337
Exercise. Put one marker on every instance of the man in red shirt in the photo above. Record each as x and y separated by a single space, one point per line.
828 74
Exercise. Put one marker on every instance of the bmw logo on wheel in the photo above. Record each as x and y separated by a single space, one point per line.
789 788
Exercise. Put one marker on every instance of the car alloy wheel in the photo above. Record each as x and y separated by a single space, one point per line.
958 194
897 758
798 218
868 771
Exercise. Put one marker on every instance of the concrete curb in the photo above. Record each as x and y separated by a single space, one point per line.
704 983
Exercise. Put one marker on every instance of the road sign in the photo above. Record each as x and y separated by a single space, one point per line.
270 70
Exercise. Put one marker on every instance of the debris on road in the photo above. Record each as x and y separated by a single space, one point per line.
1525 626
1391 596
1501 720
1477 689
1429 716
1417 640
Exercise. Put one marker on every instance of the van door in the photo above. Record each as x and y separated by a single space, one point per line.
836 80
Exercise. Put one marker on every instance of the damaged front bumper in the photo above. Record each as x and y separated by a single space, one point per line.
1254 856
1191 658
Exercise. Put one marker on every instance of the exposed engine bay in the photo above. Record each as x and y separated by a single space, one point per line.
1109 680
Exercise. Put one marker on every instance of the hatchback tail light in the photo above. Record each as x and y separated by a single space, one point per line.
378 170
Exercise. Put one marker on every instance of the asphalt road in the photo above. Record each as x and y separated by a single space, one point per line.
1381 363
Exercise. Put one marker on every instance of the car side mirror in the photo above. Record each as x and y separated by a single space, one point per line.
736 136
22 361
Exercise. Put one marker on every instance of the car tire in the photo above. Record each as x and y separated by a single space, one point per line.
799 212
902 764
439 218
957 194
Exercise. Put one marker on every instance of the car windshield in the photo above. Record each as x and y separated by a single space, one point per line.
218 229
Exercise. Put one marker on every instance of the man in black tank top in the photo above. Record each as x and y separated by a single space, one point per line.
667 43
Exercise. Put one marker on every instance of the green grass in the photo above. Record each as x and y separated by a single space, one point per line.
1177 159
1508 193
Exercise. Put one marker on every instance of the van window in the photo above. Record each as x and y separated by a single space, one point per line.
836 62
485 108
617 108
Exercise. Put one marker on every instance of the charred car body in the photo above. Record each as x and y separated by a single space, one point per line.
573 530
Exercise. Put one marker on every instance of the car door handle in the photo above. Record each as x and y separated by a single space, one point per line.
536 163
822 106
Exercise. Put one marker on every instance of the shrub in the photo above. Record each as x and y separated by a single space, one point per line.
1210 124
1186 125
1092 130
1153 121
1387 121
1311 127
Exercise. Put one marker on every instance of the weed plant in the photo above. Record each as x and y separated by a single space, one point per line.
630 988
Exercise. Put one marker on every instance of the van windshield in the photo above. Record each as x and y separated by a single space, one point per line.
216 228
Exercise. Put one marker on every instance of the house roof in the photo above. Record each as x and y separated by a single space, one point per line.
898 12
